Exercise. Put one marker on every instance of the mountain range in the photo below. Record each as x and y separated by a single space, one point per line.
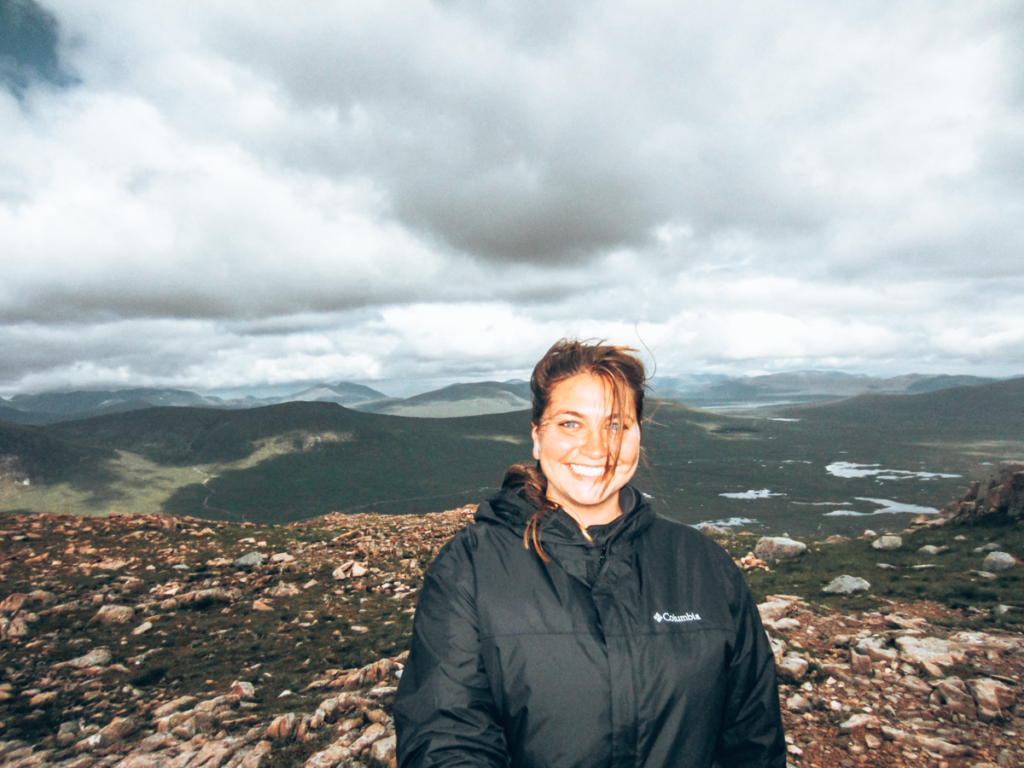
776 467
479 398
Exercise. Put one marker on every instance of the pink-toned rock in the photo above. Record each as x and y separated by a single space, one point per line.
931 654
283 727
18 628
114 614
284 589
260 605
173 706
42 699
793 667
858 721
242 689
215 753
116 730
254 757
143 628
928 743
773 610
97 657
954 695
135 760
372 733
329 758
877 648
13 602
382 752
993 698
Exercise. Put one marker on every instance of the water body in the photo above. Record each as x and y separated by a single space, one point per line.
850 469
764 493
887 507
732 522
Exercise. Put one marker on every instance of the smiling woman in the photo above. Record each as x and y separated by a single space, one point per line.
570 626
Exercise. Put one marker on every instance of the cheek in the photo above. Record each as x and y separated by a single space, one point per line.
629 455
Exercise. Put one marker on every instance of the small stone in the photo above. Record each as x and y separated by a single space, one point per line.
248 561
846 585
887 542
114 614
776 548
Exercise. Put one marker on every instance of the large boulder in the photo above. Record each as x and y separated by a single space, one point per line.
998 561
776 548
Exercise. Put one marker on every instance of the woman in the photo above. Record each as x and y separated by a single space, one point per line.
570 626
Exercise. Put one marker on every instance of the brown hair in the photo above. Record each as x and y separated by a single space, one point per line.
619 370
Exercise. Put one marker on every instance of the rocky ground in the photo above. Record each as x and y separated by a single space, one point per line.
139 641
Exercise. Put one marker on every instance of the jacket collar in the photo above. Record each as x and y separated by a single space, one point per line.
510 508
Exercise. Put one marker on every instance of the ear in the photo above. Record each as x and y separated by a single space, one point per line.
536 442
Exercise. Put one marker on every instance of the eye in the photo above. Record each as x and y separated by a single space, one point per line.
569 424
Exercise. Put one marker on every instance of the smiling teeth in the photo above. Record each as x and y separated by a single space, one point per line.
581 469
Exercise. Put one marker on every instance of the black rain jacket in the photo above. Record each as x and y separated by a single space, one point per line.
647 651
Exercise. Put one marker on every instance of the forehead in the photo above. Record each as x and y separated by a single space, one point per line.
584 394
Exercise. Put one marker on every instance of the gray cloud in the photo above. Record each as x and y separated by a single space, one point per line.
250 193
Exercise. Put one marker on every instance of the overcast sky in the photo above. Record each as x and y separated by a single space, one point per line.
207 195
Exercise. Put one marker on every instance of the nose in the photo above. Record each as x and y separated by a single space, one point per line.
596 444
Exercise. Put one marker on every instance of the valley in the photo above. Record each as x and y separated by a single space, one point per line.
767 469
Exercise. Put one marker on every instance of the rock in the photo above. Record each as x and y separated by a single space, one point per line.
793 667
998 561
877 649
248 561
282 728
382 752
931 549
835 539
284 589
116 730
931 654
95 658
372 733
799 703
114 614
329 758
993 698
887 542
927 743
858 721
42 699
846 585
951 694
242 690
774 609
776 548
173 706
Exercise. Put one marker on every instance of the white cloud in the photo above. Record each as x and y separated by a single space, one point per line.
442 189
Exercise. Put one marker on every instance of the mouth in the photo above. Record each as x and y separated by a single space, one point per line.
586 471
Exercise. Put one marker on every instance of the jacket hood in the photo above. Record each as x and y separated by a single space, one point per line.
510 508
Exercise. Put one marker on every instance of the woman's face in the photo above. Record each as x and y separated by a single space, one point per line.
572 444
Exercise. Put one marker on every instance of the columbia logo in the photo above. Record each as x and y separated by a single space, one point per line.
660 617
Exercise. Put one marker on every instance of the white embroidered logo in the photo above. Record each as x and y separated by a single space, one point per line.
671 617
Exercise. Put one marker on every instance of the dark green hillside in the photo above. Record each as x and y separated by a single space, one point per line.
988 411
27 451
325 457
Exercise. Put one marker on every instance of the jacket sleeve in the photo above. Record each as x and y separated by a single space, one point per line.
751 734
444 710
